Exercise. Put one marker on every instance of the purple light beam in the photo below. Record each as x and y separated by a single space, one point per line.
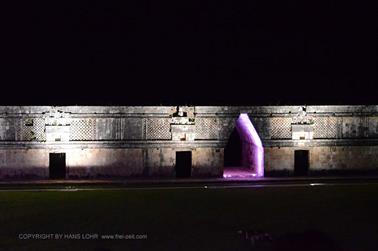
251 144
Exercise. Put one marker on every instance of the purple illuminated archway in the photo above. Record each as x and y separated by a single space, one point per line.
252 151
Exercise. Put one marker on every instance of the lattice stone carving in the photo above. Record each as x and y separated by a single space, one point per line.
207 128
33 129
82 129
325 127
281 128
39 129
26 132
158 128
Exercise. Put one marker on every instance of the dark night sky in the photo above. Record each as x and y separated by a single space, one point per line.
188 52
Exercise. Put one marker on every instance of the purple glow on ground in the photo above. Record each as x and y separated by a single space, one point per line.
238 173
253 151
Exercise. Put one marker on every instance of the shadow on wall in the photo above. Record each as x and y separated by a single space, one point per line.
233 150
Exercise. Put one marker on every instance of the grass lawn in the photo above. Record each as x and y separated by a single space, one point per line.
189 219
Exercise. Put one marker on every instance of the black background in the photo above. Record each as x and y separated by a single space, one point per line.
188 52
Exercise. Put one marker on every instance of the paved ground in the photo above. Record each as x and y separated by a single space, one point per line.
182 183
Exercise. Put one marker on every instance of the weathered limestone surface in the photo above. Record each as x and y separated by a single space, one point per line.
122 141
160 162
24 163
207 162
324 158
104 162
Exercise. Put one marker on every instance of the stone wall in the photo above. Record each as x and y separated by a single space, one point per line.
24 163
208 123
142 141
324 158
111 162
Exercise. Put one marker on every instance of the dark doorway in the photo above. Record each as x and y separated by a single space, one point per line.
301 162
233 150
57 167
183 164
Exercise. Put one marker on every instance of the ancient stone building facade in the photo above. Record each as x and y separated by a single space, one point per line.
185 141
